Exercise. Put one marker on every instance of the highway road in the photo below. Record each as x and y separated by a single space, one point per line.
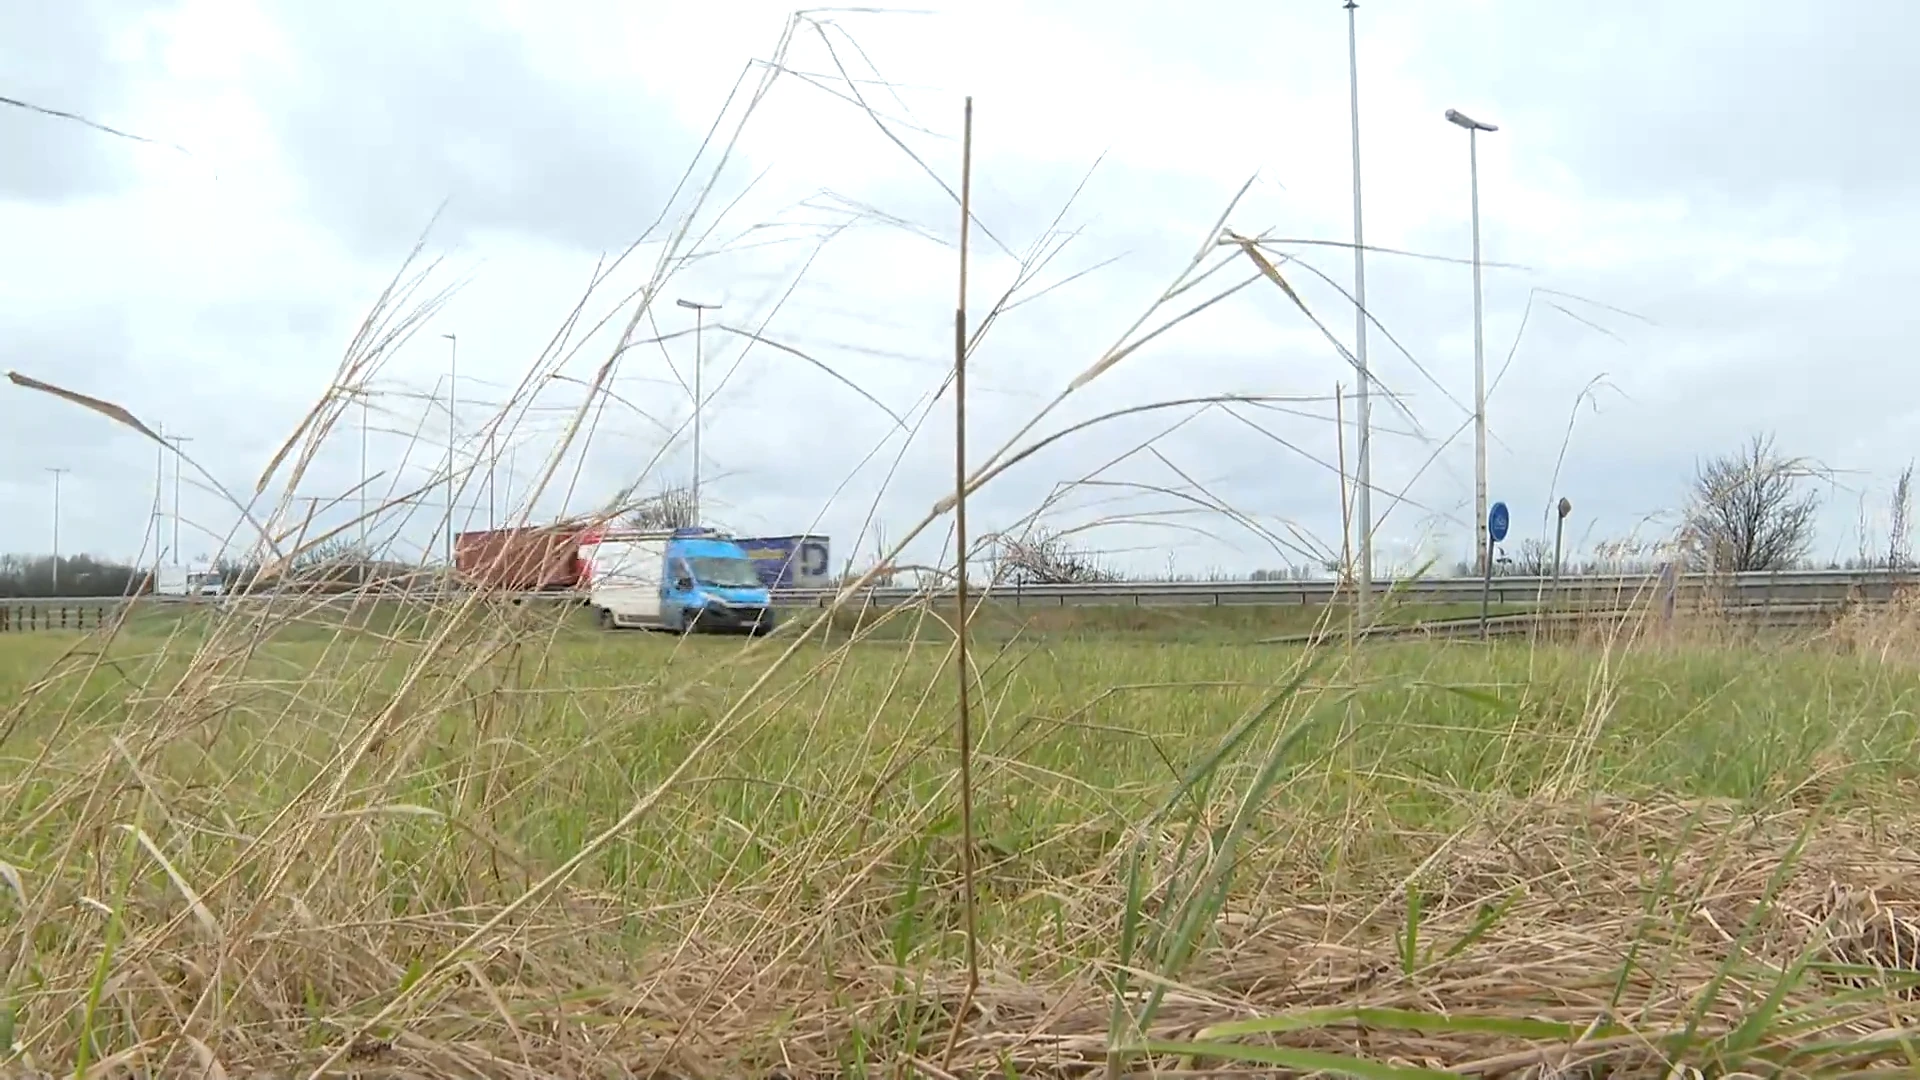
1797 587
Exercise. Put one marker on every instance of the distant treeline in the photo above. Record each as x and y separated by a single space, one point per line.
27 576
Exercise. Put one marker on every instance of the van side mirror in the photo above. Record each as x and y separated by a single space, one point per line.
684 584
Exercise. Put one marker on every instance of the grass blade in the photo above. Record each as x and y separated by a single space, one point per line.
1395 1020
1288 1058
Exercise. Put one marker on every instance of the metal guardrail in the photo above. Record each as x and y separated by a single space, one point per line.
1806 586
1552 625
22 617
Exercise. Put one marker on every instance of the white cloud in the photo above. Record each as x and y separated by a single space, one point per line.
215 290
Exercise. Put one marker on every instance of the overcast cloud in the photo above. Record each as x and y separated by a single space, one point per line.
1699 211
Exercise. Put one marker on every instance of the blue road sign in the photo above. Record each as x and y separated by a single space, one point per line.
1497 522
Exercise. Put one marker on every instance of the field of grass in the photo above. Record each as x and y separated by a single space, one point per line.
991 619
492 844
1225 623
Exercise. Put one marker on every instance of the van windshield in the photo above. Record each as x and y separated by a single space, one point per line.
725 573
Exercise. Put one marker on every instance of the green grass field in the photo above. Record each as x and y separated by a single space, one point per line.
497 844
991 619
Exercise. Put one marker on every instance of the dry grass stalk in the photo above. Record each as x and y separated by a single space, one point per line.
963 677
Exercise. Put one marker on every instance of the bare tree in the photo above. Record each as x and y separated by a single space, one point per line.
332 553
1900 522
1043 557
1749 511
1532 557
671 508
337 565
885 576
1869 555
1325 568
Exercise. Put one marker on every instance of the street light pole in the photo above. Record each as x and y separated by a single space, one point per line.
159 493
56 527
453 384
1474 128
1364 464
1559 534
365 554
699 359
176 440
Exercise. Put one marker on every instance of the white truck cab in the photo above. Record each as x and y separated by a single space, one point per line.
188 581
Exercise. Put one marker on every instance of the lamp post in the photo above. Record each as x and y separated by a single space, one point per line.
699 358
453 381
1474 128
1364 463
1559 534
159 492
176 440
1564 508
364 552
56 527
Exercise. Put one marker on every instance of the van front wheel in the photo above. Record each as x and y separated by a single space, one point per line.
606 618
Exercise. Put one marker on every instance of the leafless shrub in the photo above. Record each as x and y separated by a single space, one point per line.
337 565
1329 568
1626 555
1749 511
1900 522
672 507
880 572
1532 557
1045 557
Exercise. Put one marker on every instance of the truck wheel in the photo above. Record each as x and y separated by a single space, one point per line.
606 619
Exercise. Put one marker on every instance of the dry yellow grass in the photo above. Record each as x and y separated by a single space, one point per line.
272 844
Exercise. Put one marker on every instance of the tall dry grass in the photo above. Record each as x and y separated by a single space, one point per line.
419 834
388 844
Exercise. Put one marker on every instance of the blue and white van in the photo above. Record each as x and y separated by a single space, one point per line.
685 580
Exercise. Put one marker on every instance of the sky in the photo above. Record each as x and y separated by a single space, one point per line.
1692 224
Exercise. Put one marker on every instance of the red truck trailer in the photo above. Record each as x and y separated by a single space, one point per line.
542 558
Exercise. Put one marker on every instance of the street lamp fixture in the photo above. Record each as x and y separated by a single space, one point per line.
1455 116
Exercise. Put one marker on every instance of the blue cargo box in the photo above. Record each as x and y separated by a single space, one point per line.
789 562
